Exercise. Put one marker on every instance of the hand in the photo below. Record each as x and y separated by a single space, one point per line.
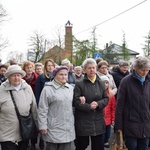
82 99
94 105
113 123
43 131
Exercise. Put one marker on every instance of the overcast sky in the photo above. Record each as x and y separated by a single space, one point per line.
26 16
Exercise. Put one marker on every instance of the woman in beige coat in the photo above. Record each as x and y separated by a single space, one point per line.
10 137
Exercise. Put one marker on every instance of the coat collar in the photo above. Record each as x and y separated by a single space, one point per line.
8 87
56 85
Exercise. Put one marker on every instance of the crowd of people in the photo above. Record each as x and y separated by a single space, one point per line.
76 104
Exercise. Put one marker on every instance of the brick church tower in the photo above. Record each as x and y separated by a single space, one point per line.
68 40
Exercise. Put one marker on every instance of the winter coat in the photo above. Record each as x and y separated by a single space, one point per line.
111 82
55 112
24 98
109 110
40 82
133 107
89 122
78 78
118 76
71 78
2 78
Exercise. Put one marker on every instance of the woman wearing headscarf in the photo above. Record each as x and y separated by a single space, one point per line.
55 112
10 136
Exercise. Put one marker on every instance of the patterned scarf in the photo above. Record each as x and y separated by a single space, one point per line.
30 79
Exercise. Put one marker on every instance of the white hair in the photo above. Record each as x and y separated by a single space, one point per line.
88 61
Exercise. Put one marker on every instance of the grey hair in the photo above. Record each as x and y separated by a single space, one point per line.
141 62
88 61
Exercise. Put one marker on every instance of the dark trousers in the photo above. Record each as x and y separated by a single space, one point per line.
60 146
14 146
107 133
136 143
82 142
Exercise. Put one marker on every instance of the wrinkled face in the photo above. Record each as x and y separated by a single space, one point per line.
90 70
15 79
39 70
78 72
50 67
103 69
124 69
142 72
62 75
3 71
29 69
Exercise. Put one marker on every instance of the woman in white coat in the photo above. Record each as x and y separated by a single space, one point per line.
10 137
55 113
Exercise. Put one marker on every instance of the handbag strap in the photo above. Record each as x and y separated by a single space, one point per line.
16 108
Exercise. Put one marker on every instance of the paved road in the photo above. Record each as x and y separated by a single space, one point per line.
89 148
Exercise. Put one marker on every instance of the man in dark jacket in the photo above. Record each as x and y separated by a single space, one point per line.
133 106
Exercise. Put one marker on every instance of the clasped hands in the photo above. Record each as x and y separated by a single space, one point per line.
93 105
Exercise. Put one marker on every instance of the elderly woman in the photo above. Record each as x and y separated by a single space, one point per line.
90 98
102 69
30 78
71 76
10 137
55 112
78 73
39 68
133 106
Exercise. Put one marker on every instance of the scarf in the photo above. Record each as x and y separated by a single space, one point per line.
30 79
139 77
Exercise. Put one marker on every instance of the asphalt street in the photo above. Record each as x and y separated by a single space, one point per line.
89 147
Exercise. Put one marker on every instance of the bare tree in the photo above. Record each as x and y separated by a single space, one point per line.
3 14
16 55
58 38
37 46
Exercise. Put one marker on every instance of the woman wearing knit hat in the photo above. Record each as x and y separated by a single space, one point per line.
109 110
55 112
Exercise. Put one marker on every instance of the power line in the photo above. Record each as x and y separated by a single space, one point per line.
112 17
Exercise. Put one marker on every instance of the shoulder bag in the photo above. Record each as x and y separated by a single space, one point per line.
27 124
